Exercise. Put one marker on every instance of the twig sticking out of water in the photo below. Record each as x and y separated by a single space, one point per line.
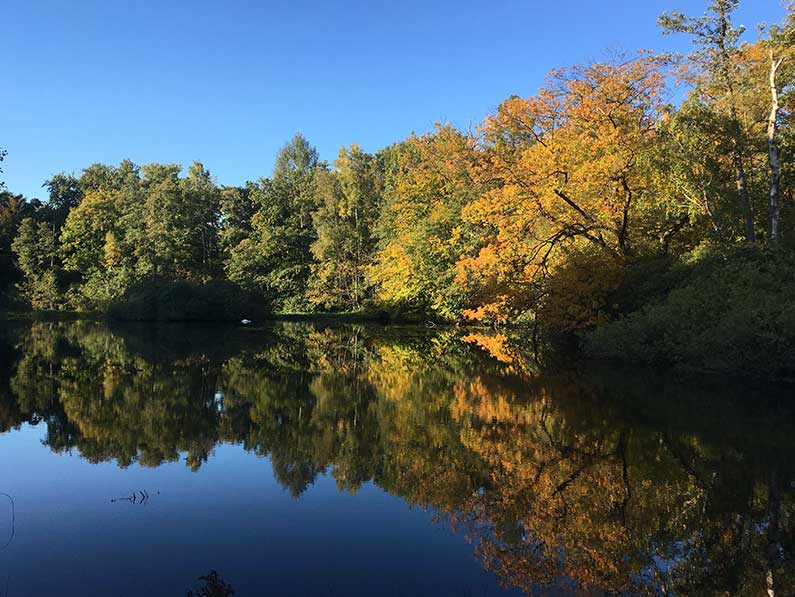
133 499
13 522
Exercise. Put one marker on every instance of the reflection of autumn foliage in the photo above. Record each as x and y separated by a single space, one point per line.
495 345
581 498
516 356
424 460
583 481
561 496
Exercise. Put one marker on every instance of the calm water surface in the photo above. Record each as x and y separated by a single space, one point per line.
305 459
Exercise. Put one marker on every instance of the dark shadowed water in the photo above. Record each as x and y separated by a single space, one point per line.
305 459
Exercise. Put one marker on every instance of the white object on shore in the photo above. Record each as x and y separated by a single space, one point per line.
245 321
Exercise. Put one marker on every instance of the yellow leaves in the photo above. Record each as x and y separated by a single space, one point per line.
392 273
427 181
84 233
569 162
114 256
470 403
547 175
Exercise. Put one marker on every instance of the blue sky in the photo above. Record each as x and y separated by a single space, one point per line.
229 82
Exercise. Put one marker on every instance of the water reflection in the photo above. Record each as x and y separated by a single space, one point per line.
597 479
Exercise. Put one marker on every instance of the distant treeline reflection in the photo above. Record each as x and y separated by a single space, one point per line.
612 479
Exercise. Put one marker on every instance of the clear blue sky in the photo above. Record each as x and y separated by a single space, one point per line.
229 81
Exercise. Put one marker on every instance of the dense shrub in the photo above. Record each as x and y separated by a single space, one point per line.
722 312
157 300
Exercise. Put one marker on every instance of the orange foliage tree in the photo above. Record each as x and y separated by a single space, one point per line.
567 169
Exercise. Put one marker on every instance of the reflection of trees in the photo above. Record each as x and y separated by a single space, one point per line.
424 459
34 384
596 480
273 417
10 413
578 498
581 492
109 404
141 411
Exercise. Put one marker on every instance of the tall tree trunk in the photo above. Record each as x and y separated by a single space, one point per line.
738 145
774 215
745 198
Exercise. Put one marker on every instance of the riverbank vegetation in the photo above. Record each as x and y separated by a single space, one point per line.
597 210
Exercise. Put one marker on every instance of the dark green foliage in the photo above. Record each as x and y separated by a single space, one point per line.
237 209
165 342
36 254
13 209
728 311
274 257
65 194
161 300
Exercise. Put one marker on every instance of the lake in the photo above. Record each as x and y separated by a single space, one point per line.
323 459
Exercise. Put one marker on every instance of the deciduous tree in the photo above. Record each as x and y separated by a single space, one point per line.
349 198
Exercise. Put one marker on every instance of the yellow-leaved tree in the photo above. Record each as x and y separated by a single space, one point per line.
567 169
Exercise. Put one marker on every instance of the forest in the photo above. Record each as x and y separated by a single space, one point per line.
639 207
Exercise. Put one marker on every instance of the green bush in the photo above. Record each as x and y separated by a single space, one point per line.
157 300
728 312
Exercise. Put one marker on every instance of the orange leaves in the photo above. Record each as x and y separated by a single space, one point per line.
494 311
568 162
486 262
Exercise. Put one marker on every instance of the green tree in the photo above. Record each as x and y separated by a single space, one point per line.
13 209
201 211
773 60
133 222
275 258
693 182
348 198
162 215
714 71
90 250
237 210
36 254
65 194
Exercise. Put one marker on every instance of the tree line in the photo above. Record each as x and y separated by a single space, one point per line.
543 209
